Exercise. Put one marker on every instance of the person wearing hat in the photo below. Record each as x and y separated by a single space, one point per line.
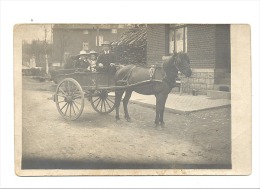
82 61
107 59
92 61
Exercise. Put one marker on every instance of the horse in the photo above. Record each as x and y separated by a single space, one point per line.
131 75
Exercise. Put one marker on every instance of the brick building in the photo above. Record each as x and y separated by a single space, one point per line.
70 39
208 47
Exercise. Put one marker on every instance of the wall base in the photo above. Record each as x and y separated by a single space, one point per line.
203 80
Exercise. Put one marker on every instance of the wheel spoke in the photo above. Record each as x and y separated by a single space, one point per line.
95 100
76 105
65 86
98 102
108 104
62 91
104 105
64 106
74 92
110 100
69 87
73 108
62 95
61 101
70 109
76 97
77 102
66 109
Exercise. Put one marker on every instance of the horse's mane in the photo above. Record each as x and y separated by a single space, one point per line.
182 56
168 61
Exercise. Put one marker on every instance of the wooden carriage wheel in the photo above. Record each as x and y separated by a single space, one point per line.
69 98
103 102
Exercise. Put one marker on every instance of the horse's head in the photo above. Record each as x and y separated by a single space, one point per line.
180 62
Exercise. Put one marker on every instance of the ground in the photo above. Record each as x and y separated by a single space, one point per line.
198 140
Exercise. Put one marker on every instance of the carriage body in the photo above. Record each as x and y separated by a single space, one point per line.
90 80
76 86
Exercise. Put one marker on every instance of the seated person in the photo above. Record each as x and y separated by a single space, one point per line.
82 62
106 60
92 61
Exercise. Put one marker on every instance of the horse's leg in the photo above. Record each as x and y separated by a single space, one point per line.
156 121
160 106
118 97
127 97
163 101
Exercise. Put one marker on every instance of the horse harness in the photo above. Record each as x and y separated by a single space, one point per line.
127 76
152 70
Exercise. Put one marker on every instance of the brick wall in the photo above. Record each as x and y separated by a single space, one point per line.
208 47
223 46
201 45
157 42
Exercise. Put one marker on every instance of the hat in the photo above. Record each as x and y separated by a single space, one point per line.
106 43
83 53
92 52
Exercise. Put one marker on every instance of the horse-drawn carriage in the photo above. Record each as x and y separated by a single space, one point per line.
104 91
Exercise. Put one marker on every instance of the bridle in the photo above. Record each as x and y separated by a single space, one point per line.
177 66
173 72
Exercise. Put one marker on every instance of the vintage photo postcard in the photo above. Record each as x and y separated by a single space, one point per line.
132 99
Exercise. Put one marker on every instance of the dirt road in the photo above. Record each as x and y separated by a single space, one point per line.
94 141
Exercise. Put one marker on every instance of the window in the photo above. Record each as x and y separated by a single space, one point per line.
178 39
99 40
121 26
114 30
85 32
85 46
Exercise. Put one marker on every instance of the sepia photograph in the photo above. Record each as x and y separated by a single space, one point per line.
125 97
129 94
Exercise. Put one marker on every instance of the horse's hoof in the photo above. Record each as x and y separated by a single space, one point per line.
158 127
128 119
162 124
117 119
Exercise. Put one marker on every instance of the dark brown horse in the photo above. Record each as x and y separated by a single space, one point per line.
161 83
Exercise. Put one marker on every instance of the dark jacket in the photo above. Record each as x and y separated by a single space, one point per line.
106 59
81 63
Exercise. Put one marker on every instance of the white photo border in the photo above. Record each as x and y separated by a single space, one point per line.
14 12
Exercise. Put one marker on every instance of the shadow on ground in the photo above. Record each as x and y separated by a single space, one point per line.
28 163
